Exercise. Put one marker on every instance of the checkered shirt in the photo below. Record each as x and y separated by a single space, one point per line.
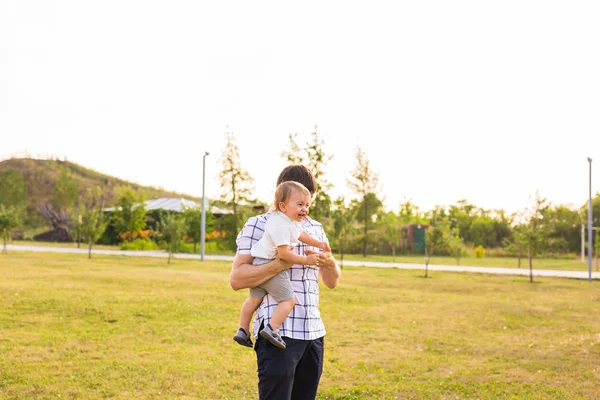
304 321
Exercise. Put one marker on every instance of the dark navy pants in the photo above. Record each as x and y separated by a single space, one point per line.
290 374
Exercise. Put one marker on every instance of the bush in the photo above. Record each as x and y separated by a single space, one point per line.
139 244
479 251
210 246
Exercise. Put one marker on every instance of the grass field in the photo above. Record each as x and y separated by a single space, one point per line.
567 263
124 328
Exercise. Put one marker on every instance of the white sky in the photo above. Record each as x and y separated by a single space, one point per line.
486 101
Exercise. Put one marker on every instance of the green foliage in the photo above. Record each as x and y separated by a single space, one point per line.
479 251
171 228
192 218
129 217
92 224
39 177
478 226
343 229
391 229
236 183
12 189
454 243
364 181
317 164
293 154
66 190
9 220
139 244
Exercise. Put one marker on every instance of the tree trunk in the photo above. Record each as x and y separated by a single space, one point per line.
169 260
530 257
341 242
520 250
394 253
366 223
4 247
89 249
426 261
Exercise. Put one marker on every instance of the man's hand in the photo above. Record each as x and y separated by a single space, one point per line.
330 272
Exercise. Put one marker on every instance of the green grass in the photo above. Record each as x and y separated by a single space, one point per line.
572 263
122 328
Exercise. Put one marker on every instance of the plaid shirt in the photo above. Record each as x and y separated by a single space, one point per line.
304 321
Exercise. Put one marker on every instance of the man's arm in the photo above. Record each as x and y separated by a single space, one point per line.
244 275
328 268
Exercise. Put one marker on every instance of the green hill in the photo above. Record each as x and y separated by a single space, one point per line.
40 176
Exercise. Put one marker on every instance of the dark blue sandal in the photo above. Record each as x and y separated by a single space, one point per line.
243 338
272 336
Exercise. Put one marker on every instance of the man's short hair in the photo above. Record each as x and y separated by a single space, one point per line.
298 173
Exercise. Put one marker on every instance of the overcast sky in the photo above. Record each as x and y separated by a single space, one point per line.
477 100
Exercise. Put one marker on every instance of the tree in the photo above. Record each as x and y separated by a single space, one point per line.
12 189
129 217
294 154
366 212
171 226
317 161
408 213
455 244
364 182
392 227
429 248
66 191
91 223
236 183
9 220
563 227
192 220
533 230
342 225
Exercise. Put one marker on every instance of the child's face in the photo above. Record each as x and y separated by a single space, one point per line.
296 206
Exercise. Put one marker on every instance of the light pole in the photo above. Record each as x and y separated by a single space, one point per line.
203 224
590 224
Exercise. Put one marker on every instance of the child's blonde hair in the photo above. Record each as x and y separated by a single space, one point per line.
285 190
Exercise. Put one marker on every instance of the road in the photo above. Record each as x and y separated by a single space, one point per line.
432 267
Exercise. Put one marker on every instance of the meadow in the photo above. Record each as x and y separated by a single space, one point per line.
123 328
570 262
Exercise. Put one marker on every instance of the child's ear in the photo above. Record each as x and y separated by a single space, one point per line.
282 206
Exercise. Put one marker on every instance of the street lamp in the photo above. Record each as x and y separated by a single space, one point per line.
203 224
590 224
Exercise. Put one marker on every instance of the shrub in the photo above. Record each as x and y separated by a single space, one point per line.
139 244
479 251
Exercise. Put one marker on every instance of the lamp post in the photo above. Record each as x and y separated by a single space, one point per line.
590 224
203 223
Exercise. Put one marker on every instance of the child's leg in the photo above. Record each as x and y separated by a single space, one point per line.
248 309
281 312
282 291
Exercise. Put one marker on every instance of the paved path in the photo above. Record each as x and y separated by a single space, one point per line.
436 267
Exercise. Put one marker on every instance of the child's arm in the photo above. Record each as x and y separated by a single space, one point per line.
290 256
311 241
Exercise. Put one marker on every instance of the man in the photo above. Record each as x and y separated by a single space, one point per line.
293 373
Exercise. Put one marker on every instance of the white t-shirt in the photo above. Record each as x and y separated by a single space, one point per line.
279 230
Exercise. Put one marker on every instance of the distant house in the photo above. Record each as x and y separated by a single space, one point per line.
177 204
415 236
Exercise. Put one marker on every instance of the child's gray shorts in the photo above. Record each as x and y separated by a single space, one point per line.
279 286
